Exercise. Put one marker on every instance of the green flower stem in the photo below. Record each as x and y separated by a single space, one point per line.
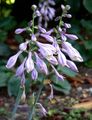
33 23
17 103
36 100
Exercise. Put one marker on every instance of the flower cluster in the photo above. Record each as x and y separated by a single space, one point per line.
40 56
53 51
47 12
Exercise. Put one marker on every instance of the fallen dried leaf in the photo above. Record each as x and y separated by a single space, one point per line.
85 105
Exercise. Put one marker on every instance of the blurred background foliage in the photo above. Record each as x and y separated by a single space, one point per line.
17 13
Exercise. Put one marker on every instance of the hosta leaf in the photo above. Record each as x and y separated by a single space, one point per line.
88 5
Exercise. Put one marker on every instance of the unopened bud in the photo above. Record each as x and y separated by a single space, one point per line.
34 7
63 7
67 7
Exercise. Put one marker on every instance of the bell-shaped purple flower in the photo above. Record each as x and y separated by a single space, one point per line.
59 76
72 65
41 65
19 30
72 52
21 68
62 59
29 65
34 74
12 60
71 36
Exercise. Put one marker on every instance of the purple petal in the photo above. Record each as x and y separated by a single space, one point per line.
41 64
47 37
20 69
19 30
29 63
42 29
61 59
12 60
34 74
72 37
33 37
72 65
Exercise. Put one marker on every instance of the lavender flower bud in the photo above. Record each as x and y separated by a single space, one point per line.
63 7
68 15
33 37
71 36
62 59
59 77
37 12
20 69
12 60
42 67
42 29
19 30
72 65
29 63
51 2
47 37
52 60
23 46
72 52
67 25
34 74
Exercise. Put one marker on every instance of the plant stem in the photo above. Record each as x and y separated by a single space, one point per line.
37 98
17 103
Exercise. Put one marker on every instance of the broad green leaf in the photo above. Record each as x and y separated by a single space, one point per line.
67 71
3 36
4 77
88 44
62 86
4 50
88 5
86 24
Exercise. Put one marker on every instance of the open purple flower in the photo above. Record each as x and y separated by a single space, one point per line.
29 64
21 68
71 52
41 65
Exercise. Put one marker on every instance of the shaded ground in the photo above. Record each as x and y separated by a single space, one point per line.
62 107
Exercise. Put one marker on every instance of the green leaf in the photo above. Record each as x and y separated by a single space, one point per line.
88 5
4 77
4 50
7 23
89 63
62 86
67 71
86 24
3 36
14 85
88 44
